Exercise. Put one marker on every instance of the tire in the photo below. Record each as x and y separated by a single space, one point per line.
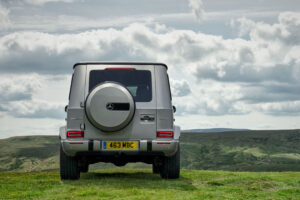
170 168
118 105
69 169
84 168
155 169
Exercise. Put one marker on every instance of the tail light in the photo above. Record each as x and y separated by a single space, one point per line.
168 134
75 134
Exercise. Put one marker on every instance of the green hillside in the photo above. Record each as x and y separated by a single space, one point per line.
242 151
142 184
233 151
29 153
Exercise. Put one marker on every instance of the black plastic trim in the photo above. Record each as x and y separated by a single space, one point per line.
117 106
117 153
120 63
149 145
91 145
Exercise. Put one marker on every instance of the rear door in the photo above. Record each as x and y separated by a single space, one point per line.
140 81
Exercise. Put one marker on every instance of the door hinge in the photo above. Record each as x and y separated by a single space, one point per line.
81 104
82 126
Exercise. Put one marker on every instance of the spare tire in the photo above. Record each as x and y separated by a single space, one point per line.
110 106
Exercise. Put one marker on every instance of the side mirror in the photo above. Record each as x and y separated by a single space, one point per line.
66 108
174 109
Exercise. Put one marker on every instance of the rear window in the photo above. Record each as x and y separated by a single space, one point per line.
138 82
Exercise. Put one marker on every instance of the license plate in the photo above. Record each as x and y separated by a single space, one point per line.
116 145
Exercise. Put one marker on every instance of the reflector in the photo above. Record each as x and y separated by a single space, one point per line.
163 143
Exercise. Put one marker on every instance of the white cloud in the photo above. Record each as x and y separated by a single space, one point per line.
4 17
197 8
269 55
180 88
211 98
224 76
14 88
22 96
42 2
12 126
34 109
286 31
280 108
254 120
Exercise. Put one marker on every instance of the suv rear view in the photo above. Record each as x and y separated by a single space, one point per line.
119 113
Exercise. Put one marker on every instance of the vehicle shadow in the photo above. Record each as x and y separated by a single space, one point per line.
136 180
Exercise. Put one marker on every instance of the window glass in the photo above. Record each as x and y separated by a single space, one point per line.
138 82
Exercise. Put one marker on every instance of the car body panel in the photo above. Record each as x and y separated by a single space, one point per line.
149 117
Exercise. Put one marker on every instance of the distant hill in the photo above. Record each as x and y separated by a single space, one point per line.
233 151
242 150
29 153
213 130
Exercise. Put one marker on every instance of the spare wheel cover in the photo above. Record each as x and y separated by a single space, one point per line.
110 106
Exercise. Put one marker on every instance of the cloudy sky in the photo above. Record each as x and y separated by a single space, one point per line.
232 63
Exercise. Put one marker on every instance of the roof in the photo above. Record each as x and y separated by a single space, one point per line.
120 63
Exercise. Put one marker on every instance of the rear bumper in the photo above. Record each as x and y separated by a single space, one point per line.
165 147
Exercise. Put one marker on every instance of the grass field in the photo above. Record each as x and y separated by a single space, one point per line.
142 184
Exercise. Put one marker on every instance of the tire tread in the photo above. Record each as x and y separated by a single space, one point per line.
170 168
69 169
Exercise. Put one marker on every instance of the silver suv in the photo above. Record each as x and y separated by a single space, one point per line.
119 113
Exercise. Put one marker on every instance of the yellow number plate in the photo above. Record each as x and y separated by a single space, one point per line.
115 145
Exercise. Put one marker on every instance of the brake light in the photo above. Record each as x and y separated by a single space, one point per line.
165 133
75 133
120 68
